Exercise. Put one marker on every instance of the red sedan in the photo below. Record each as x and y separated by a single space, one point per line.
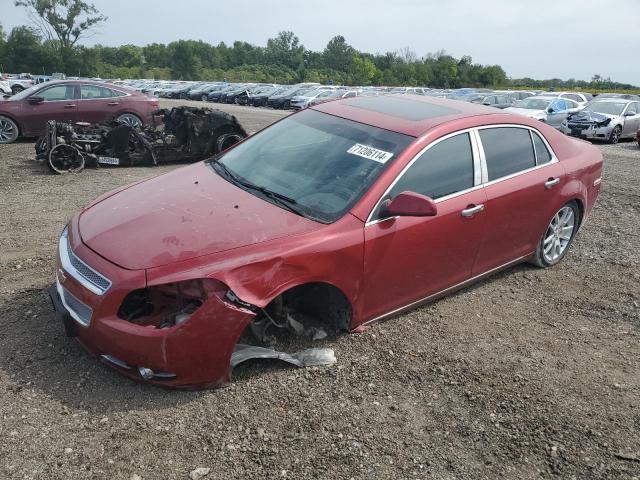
26 113
329 220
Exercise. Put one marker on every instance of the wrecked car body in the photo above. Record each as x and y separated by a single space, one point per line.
608 119
189 134
308 229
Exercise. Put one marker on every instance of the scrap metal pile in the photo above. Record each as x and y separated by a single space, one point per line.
189 134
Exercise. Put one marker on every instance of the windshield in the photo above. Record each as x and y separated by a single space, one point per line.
611 108
532 103
321 162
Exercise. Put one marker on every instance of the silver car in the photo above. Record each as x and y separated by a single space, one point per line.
607 119
551 110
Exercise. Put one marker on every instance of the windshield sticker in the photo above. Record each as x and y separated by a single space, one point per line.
371 153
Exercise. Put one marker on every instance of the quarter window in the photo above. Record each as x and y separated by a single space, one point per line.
508 150
542 152
443 169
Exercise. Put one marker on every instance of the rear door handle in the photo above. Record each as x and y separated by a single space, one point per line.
113 103
472 210
552 182
70 105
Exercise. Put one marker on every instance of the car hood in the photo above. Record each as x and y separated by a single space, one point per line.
187 213
586 116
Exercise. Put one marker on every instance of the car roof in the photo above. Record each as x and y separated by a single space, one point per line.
409 114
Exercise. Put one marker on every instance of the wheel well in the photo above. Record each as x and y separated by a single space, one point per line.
580 209
321 300
130 113
312 311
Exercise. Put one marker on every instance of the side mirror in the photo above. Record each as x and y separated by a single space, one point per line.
409 204
35 99
629 114
550 110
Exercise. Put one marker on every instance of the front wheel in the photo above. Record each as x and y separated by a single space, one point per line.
558 236
615 135
204 98
8 130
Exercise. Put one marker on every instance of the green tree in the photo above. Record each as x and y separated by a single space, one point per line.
285 49
24 52
362 70
62 21
338 54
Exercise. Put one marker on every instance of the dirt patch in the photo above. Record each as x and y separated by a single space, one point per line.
529 374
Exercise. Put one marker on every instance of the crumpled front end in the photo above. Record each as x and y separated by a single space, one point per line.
178 334
589 125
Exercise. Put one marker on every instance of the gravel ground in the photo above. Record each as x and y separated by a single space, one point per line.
529 374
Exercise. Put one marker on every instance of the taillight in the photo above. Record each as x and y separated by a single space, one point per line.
155 103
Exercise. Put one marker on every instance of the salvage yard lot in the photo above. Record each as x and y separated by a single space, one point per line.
529 374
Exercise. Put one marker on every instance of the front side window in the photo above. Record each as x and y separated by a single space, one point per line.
443 169
322 164
507 150
632 108
59 92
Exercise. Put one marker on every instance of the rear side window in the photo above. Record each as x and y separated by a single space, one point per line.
508 150
445 168
116 93
542 152
88 92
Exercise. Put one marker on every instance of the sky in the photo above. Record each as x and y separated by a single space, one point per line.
542 39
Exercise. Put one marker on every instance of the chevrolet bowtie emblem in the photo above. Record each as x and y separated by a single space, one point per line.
61 276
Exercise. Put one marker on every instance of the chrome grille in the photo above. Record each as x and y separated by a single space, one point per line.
79 270
87 272
78 310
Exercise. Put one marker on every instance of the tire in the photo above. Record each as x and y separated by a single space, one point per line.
204 98
65 158
557 237
615 135
130 119
228 140
8 130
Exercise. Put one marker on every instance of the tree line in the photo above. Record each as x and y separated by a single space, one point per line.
51 45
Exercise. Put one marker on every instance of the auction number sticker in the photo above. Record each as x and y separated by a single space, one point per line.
371 153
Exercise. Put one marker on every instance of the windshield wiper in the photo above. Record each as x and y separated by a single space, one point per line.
282 200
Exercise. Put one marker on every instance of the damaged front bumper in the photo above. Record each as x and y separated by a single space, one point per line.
193 354
588 131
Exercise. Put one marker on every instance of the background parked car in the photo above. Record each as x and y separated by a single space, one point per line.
580 98
283 100
498 100
607 119
26 113
547 109
260 99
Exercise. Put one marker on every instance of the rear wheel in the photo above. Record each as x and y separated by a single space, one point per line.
228 139
130 119
204 98
615 135
8 130
558 236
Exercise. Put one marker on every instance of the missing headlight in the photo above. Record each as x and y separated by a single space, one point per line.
168 305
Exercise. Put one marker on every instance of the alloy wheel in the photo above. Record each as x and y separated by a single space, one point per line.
130 119
558 235
615 135
8 132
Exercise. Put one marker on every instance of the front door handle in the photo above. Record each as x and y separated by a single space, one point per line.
472 210
552 182
111 104
70 105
